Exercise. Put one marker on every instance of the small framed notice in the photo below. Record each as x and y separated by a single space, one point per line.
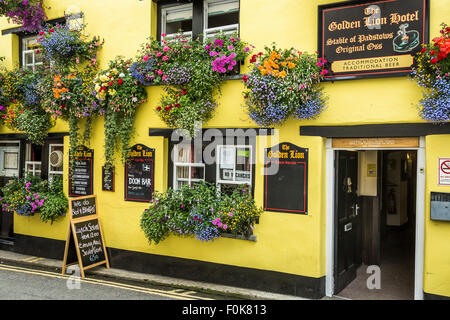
444 172
108 178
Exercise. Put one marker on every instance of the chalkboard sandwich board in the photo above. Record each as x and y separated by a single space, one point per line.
85 245
286 179
81 179
139 174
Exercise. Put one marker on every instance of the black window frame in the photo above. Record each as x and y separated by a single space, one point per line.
18 31
197 15
211 169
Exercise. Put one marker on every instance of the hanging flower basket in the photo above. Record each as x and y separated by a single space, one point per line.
283 84
119 94
192 73
29 13
67 48
432 73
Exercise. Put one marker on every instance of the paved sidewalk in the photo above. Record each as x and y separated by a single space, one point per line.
118 274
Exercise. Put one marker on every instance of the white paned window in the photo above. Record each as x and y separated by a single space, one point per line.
31 57
220 16
187 166
233 165
33 155
9 158
176 19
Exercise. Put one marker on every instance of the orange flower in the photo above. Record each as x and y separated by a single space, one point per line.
291 65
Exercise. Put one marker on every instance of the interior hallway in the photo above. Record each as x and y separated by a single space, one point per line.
397 270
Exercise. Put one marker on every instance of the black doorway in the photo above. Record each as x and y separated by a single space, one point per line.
383 229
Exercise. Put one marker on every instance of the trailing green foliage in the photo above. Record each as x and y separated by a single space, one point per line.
200 211
29 195
192 73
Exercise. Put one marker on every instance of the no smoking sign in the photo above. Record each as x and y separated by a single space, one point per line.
444 172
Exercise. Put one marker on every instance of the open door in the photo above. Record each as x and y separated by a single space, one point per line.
347 225
9 168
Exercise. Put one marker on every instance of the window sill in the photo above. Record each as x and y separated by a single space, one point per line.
239 237
233 77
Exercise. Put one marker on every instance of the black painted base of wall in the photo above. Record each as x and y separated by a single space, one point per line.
263 280
39 247
196 270
430 296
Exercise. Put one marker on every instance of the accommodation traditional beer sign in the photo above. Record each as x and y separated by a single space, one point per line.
81 180
371 38
139 173
286 178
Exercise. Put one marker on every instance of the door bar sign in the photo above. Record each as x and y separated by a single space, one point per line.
444 172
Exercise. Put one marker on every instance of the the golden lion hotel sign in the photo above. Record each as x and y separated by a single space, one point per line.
361 39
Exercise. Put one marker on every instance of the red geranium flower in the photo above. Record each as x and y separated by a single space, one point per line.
245 78
110 84
441 55
434 61
119 81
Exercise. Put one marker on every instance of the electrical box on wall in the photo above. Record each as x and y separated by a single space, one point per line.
367 173
440 206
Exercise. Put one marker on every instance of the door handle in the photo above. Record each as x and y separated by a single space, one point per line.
355 209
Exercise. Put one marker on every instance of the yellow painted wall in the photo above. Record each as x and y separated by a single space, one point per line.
286 242
437 233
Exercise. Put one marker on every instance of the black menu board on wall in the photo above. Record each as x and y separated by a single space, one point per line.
286 178
81 180
107 178
363 39
139 173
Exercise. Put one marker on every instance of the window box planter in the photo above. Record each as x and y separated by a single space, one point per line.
239 237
